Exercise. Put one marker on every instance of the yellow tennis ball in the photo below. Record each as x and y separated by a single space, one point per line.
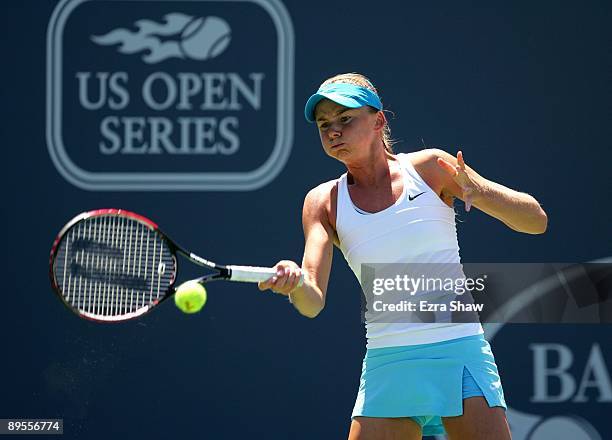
190 297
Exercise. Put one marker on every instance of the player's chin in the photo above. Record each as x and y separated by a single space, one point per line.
338 153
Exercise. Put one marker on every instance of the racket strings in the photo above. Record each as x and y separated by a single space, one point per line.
110 266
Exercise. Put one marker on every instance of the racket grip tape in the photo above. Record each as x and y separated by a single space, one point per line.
254 274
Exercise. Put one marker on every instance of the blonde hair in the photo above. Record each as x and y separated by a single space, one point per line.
361 80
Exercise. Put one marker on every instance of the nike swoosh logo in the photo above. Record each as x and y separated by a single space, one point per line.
411 198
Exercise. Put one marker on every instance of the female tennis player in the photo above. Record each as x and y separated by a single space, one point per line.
417 378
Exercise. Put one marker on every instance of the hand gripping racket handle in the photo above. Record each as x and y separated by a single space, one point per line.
254 274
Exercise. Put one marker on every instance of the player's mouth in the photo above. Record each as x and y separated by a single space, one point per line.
336 146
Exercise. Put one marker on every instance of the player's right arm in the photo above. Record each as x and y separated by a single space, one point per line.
309 299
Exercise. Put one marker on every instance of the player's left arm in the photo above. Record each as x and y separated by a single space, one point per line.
518 210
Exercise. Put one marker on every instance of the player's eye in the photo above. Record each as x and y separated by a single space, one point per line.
346 119
323 125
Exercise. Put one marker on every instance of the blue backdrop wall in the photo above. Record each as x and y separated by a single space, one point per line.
523 89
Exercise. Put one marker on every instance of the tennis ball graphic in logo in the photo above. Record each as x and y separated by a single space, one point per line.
205 38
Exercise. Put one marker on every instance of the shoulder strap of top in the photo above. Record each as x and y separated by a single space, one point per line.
342 188
342 203
404 159
412 172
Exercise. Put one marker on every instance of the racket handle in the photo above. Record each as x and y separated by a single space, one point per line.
254 274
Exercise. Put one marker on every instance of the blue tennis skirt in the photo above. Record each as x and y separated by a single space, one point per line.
428 381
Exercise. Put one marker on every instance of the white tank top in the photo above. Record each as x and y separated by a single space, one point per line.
416 229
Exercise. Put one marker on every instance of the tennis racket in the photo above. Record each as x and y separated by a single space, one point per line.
112 265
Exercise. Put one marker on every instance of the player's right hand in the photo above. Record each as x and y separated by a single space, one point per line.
286 280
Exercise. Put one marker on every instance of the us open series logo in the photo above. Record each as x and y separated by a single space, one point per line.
154 95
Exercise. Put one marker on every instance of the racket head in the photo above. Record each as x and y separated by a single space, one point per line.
111 265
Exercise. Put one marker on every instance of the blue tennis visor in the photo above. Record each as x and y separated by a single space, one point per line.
348 95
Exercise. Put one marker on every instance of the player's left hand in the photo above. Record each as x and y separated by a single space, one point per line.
470 190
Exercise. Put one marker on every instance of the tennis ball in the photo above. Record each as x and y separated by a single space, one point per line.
190 297
205 38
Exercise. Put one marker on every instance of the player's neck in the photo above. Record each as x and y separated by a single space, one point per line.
374 171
